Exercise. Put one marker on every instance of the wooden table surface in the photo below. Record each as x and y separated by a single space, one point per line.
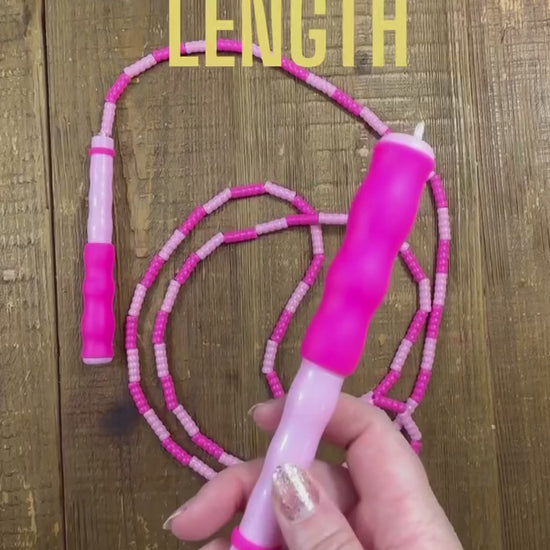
78 468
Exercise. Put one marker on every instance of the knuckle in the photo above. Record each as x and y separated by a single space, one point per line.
337 539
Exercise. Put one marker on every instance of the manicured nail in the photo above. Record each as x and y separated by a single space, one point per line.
167 526
253 408
294 492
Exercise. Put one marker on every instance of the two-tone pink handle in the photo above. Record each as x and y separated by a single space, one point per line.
98 287
381 216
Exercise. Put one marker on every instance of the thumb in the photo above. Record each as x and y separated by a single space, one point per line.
308 519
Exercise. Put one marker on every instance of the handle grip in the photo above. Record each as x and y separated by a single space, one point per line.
98 290
380 218
308 407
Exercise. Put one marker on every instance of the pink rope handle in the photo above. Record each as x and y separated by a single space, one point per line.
430 307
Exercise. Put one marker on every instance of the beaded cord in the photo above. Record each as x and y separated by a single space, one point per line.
430 306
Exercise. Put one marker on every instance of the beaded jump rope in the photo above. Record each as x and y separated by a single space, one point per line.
430 307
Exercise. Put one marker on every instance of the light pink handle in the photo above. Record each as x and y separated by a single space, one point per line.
98 290
309 405
381 216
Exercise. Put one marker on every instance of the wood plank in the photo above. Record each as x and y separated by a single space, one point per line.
511 105
31 509
182 135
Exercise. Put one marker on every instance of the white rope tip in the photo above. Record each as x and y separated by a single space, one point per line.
419 130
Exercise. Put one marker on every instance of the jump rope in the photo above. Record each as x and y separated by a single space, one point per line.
381 216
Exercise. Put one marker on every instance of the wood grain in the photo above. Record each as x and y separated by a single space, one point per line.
478 74
512 73
31 507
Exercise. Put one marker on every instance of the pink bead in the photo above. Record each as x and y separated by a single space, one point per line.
209 246
244 191
434 322
187 268
207 445
176 451
443 250
401 355
141 66
269 356
444 224
317 239
171 295
416 325
413 266
387 383
160 327
421 385
195 46
162 54
275 384
218 201
240 235
185 420
201 468
137 300
171 244
108 119
271 227
321 84
229 460
389 404
139 397
301 219
161 360
156 425
313 269
169 392
295 70
281 327
440 288
428 354
117 88
228 45
347 102
416 446
297 297
302 205
152 271
194 218
280 192
412 405
425 295
374 122
333 219
131 332
438 192
409 425
132 358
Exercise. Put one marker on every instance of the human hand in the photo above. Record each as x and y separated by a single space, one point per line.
381 501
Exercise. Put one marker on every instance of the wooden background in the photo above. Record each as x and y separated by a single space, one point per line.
78 468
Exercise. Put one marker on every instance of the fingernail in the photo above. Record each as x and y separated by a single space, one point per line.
252 409
294 492
167 525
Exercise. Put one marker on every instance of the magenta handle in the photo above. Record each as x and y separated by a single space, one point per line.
98 290
381 216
